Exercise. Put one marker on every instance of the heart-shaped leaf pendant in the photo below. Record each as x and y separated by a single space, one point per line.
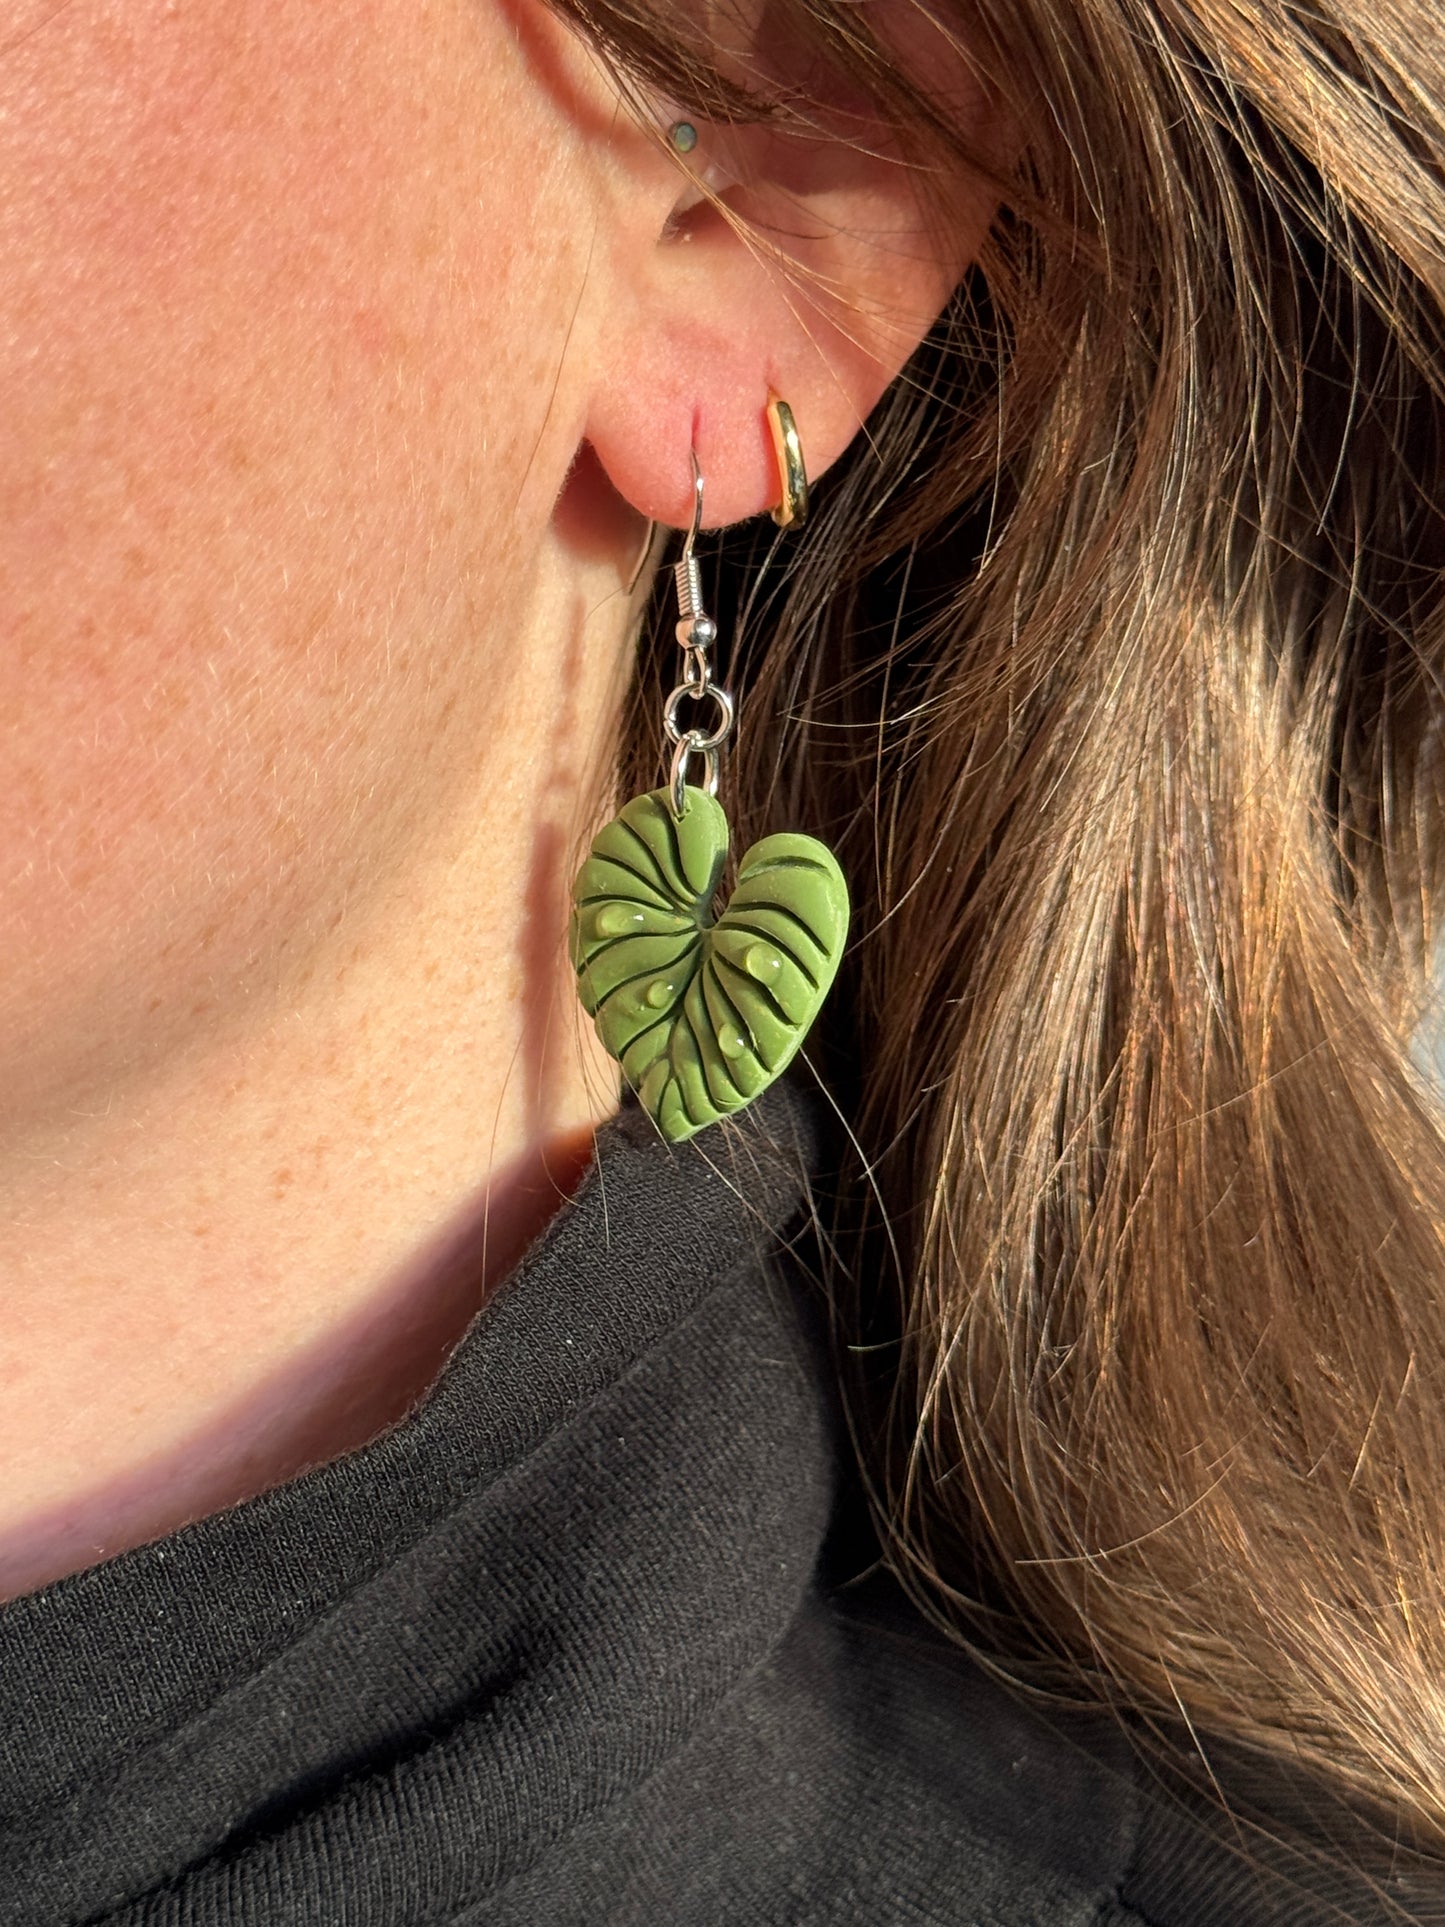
702 1012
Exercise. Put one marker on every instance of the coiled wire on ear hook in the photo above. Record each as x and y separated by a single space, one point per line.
695 628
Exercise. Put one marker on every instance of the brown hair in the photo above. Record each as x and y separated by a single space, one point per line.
1117 647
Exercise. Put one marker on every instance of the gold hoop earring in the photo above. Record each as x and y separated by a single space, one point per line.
792 509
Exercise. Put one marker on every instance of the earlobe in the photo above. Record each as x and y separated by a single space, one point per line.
803 267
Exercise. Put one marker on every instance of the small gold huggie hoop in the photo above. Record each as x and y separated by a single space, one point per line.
792 510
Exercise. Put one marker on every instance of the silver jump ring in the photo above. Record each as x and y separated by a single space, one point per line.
691 745
699 739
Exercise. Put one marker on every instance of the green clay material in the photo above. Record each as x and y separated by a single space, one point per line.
702 1012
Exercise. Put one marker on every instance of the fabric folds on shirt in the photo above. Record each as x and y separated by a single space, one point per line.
559 1648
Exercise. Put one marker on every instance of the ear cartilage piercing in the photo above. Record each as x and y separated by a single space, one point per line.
792 509
702 1011
682 136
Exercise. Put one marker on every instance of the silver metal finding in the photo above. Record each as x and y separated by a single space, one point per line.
687 573
700 739
677 781
696 633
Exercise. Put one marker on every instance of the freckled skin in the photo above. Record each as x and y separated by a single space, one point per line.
285 1065
341 347
247 273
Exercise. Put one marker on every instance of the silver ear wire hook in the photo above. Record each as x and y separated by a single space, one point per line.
696 632
687 571
692 533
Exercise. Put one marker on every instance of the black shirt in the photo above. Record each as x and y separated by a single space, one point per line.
559 1649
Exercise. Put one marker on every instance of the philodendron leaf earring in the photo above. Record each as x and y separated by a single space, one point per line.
704 1011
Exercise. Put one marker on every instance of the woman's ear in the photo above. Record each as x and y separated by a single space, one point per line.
791 260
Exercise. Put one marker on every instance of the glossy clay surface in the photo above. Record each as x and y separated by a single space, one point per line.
702 1012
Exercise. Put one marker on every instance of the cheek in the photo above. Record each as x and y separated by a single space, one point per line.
272 373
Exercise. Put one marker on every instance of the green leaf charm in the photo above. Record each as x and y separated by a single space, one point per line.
702 1012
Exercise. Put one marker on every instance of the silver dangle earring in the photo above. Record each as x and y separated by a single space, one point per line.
704 1011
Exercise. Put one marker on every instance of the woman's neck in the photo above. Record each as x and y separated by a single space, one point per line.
258 1255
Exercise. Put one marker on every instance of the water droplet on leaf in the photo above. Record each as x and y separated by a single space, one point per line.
731 1041
616 920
